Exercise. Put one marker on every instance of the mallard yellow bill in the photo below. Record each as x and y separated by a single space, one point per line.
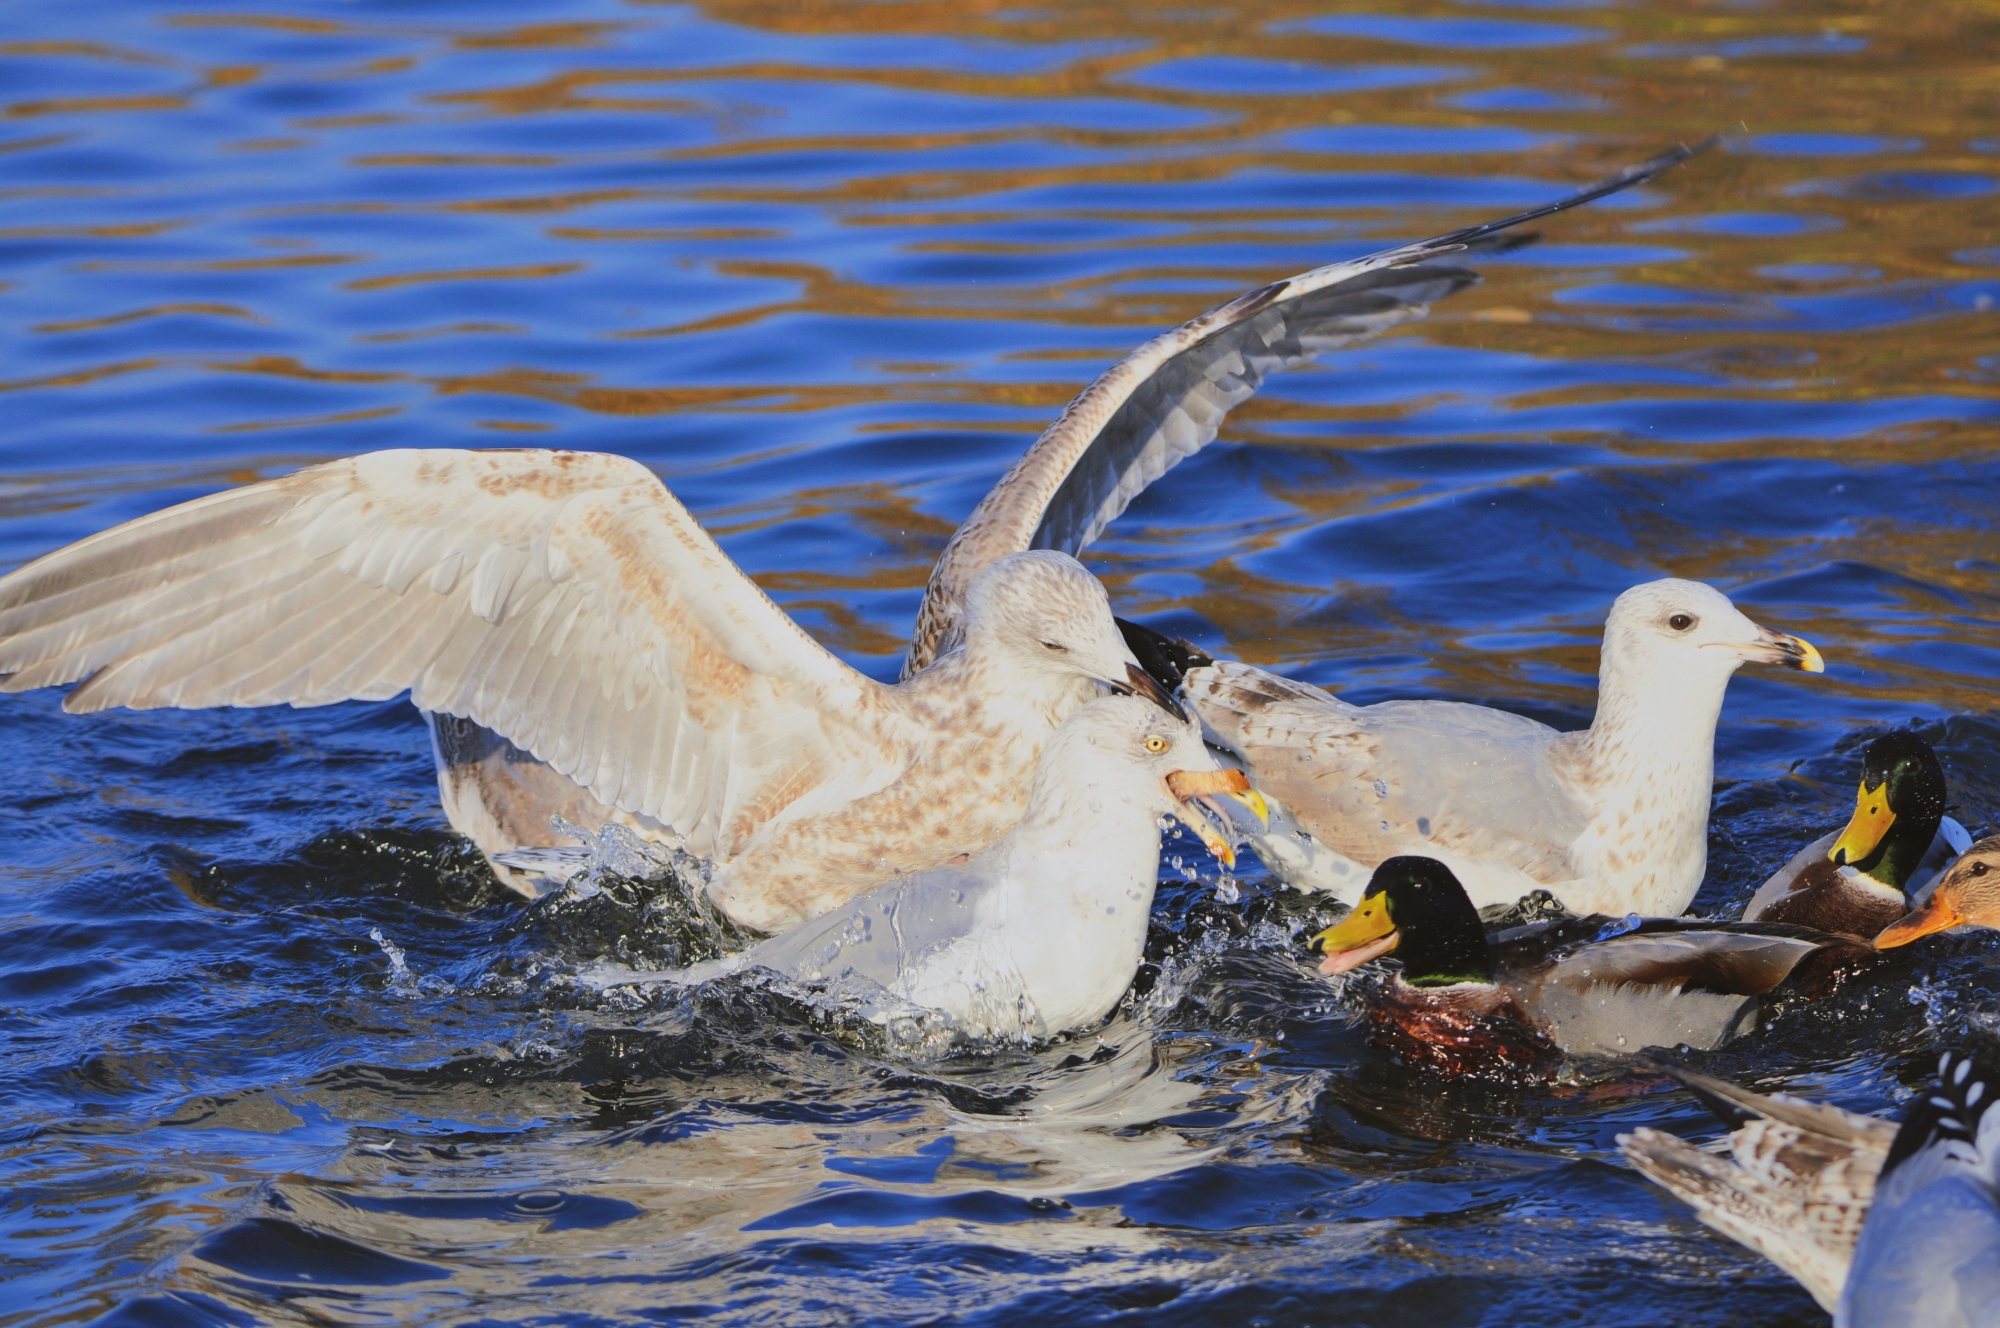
1859 879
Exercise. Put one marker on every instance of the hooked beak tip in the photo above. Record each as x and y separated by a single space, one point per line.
1201 792
1780 648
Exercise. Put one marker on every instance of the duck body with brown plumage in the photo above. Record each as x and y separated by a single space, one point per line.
1861 878
1514 1005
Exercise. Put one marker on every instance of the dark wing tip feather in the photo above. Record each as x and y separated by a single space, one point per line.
1948 1108
1166 659
1734 1107
1626 179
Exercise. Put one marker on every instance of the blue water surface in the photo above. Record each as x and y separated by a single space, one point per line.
277 1050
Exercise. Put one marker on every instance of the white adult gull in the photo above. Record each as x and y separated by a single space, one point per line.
569 603
1042 931
1610 819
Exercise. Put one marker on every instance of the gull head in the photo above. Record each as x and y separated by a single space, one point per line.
1127 750
1049 620
1690 633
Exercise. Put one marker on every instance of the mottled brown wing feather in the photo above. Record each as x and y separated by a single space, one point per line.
565 601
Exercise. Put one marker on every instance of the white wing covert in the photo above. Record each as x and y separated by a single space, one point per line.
564 600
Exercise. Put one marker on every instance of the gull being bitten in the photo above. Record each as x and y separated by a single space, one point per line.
1042 931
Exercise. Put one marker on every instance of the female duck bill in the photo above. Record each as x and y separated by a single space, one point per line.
1969 895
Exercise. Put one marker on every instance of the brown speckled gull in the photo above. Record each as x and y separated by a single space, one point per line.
1154 408
568 602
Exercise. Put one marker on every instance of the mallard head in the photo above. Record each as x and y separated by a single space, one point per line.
1968 896
1896 810
1415 908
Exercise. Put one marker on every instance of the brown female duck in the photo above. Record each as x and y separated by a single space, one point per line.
1968 896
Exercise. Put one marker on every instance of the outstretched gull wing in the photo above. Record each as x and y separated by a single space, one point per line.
1166 400
565 600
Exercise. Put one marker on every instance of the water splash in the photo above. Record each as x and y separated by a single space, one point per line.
403 980
1939 1001
400 977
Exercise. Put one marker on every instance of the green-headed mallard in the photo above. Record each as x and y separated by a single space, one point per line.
1859 879
1595 985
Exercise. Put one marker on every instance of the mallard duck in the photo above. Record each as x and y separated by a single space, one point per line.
1595 985
1859 879
1795 1186
1887 1227
1967 896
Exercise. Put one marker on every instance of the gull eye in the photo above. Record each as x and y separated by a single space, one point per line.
1156 744
1680 622
1051 645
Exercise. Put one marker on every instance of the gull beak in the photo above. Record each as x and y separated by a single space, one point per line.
1366 933
1209 820
1792 652
1939 913
1138 682
1872 819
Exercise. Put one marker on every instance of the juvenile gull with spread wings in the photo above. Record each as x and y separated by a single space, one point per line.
1043 931
568 602
1158 405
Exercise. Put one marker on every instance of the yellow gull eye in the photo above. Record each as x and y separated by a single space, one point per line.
1156 744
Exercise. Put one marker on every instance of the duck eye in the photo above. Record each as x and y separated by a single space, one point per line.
1680 622
1156 744
1978 869
1051 645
